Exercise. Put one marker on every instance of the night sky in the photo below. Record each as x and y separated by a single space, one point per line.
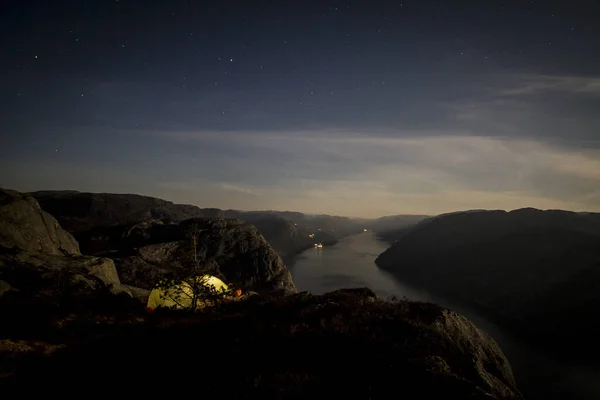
359 108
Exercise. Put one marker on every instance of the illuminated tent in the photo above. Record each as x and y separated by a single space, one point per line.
180 295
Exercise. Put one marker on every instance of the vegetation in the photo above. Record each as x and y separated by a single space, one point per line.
346 343
191 290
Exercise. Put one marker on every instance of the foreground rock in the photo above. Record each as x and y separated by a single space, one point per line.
41 274
534 272
41 261
346 344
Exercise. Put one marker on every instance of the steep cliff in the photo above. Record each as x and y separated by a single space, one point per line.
148 238
227 248
536 272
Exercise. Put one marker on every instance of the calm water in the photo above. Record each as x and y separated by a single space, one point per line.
351 263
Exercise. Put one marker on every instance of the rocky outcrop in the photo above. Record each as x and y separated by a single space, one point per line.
40 259
148 239
25 225
229 249
21 269
535 272
287 237
345 344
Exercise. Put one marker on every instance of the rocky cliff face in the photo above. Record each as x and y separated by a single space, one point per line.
535 272
148 239
345 344
226 248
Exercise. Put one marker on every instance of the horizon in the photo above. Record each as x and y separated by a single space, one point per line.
331 107
303 212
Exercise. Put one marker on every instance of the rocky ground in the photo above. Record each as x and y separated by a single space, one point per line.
346 343
76 325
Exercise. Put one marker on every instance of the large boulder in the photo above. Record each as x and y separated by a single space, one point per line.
38 259
25 225
51 274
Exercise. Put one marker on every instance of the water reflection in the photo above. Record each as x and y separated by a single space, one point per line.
349 264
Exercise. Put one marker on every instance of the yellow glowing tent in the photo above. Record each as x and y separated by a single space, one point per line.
181 295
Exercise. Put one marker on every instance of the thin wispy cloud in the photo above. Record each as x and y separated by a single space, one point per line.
535 83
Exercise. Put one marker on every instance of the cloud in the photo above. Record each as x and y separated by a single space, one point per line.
357 175
536 83
377 173
239 189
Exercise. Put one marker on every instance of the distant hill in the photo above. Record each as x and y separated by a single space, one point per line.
537 272
392 227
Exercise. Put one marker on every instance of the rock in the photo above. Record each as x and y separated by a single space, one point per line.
138 293
489 367
39 258
288 232
226 248
25 225
148 239
27 270
344 344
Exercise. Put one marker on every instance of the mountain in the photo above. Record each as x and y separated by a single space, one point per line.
89 216
394 222
69 320
391 228
535 272
287 236
137 254
79 212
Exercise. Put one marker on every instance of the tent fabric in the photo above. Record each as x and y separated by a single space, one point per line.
180 295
